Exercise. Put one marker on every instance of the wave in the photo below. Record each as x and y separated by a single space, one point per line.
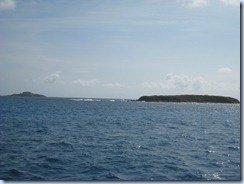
213 176
210 151
53 160
111 176
88 100
94 169
234 147
78 99
15 172
61 145
98 100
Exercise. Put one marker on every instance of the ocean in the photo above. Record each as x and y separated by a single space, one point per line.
116 139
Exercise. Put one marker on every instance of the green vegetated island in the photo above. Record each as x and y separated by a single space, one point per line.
189 98
28 94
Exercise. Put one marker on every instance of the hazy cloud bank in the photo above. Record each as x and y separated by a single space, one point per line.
90 82
52 78
7 4
200 3
116 85
226 70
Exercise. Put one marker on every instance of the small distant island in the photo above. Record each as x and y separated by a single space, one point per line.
189 98
28 94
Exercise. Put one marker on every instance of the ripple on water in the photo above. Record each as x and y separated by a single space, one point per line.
63 146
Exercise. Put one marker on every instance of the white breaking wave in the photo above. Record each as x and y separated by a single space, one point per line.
86 99
89 100
77 99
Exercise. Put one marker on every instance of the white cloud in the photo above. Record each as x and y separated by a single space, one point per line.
183 82
117 85
7 4
90 82
198 3
52 78
176 82
231 2
224 70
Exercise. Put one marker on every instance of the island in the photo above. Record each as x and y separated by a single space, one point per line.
28 94
189 98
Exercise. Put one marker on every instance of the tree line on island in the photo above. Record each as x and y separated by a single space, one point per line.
189 98
28 94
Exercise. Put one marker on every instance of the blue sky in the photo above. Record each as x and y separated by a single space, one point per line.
120 49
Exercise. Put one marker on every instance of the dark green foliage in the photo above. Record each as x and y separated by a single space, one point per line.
189 98
28 94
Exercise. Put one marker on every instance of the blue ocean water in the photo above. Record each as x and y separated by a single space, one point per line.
102 139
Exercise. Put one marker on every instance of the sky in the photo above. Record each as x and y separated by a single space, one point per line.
120 49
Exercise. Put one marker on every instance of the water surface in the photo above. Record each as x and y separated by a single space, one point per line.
102 139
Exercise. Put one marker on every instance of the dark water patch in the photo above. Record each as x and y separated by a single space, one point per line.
15 172
53 160
62 146
234 148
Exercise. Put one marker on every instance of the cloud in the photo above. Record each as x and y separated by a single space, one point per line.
231 2
224 70
152 85
7 4
52 78
176 82
116 85
198 3
183 82
90 82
